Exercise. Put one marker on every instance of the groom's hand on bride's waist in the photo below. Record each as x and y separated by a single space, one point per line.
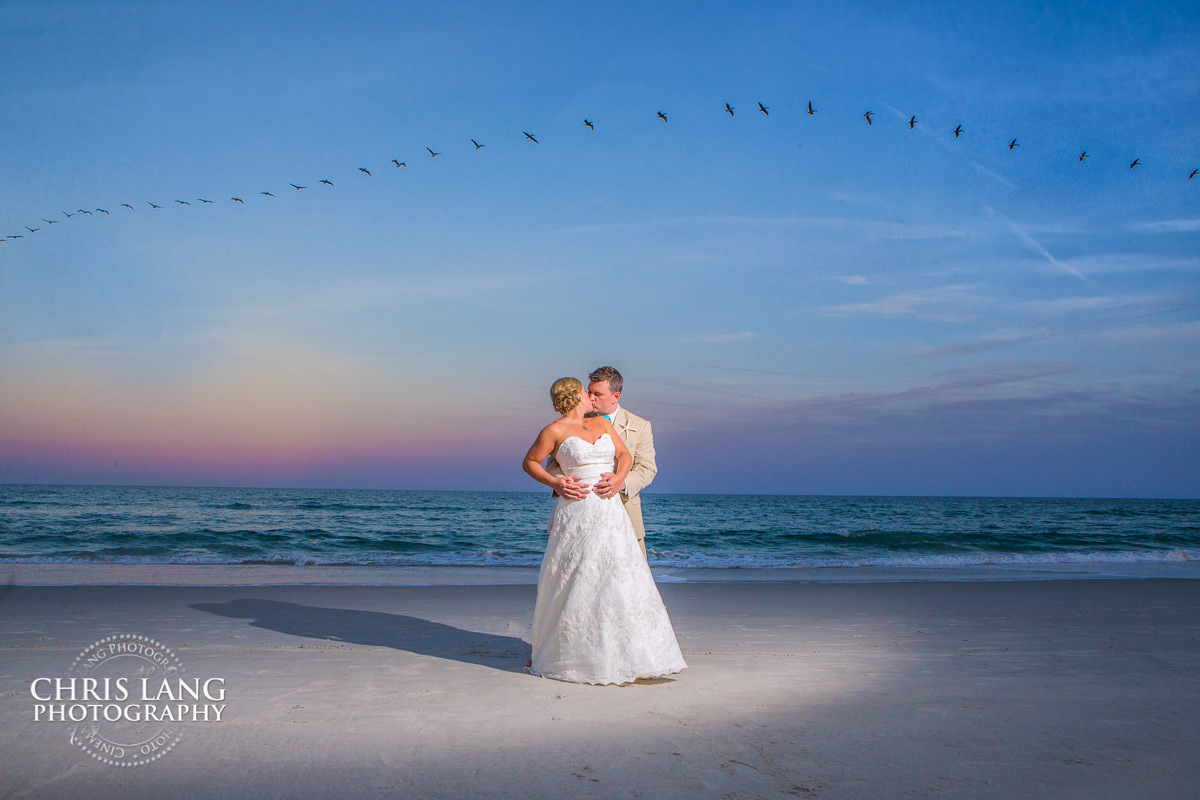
572 488
606 487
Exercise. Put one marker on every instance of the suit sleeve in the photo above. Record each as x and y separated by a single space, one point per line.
644 468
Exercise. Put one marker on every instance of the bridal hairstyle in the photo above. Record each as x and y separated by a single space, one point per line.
609 374
565 394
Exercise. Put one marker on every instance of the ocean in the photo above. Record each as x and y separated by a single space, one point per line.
313 527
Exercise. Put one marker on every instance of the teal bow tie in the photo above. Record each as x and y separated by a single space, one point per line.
607 417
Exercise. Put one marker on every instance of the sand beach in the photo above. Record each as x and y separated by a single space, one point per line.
1056 688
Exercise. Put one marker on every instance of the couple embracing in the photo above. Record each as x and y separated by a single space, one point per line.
599 617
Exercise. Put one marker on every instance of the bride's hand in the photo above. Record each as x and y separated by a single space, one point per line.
572 488
608 486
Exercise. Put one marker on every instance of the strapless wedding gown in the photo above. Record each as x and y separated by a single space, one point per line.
599 617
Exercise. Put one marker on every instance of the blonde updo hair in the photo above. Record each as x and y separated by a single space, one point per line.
565 394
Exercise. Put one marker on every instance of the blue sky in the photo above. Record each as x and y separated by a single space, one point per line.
800 303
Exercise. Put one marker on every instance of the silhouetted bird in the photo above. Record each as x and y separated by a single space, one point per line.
588 122
662 116
1013 144
729 108
183 202
867 116
238 200
1137 162
268 194
127 206
1195 172
399 163
478 146
912 122
32 230
81 211
152 205
957 130
327 183
811 110
102 211
50 221
15 236
1083 155
202 200
68 216
364 170
431 153
529 136
763 109
297 188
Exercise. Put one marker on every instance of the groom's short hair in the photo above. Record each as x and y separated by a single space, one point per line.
609 374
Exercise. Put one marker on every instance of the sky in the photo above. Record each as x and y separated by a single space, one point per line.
800 303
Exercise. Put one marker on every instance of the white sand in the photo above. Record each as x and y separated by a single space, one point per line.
1062 689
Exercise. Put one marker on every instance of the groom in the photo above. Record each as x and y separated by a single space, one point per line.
605 392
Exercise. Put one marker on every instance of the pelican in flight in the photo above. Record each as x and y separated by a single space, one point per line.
238 200
50 221
431 153
327 183
68 216
1013 144
1083 155
397 163
763 109
867 116
588 122
297 188
529 136
201 199
364 170
1137 162
662 116
957 130
32 230
268 194
729 108
811 110
183 202
152 205
478 146
127 206
81 211
1195 172
104 212
912 122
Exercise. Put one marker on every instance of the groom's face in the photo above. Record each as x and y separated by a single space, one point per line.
604 399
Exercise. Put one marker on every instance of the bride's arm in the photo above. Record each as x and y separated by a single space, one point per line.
543 446
611 482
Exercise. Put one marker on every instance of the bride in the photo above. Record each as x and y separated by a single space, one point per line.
599 617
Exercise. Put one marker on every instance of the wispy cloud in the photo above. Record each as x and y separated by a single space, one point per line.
940 304
718 338
1036 246
874 228
1168 226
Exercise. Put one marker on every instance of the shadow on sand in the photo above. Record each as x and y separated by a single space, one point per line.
377 629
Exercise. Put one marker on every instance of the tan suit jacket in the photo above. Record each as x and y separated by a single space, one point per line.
639 438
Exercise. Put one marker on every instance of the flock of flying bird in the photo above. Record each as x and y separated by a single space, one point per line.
729 109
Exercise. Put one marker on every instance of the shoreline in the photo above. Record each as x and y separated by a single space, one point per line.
107 574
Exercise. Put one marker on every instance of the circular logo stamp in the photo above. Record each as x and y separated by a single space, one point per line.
124 741
127 699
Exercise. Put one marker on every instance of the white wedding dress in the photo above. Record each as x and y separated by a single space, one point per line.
599 617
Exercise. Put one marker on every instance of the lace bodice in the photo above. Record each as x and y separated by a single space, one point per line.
587 460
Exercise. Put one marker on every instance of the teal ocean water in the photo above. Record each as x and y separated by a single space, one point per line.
82 524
